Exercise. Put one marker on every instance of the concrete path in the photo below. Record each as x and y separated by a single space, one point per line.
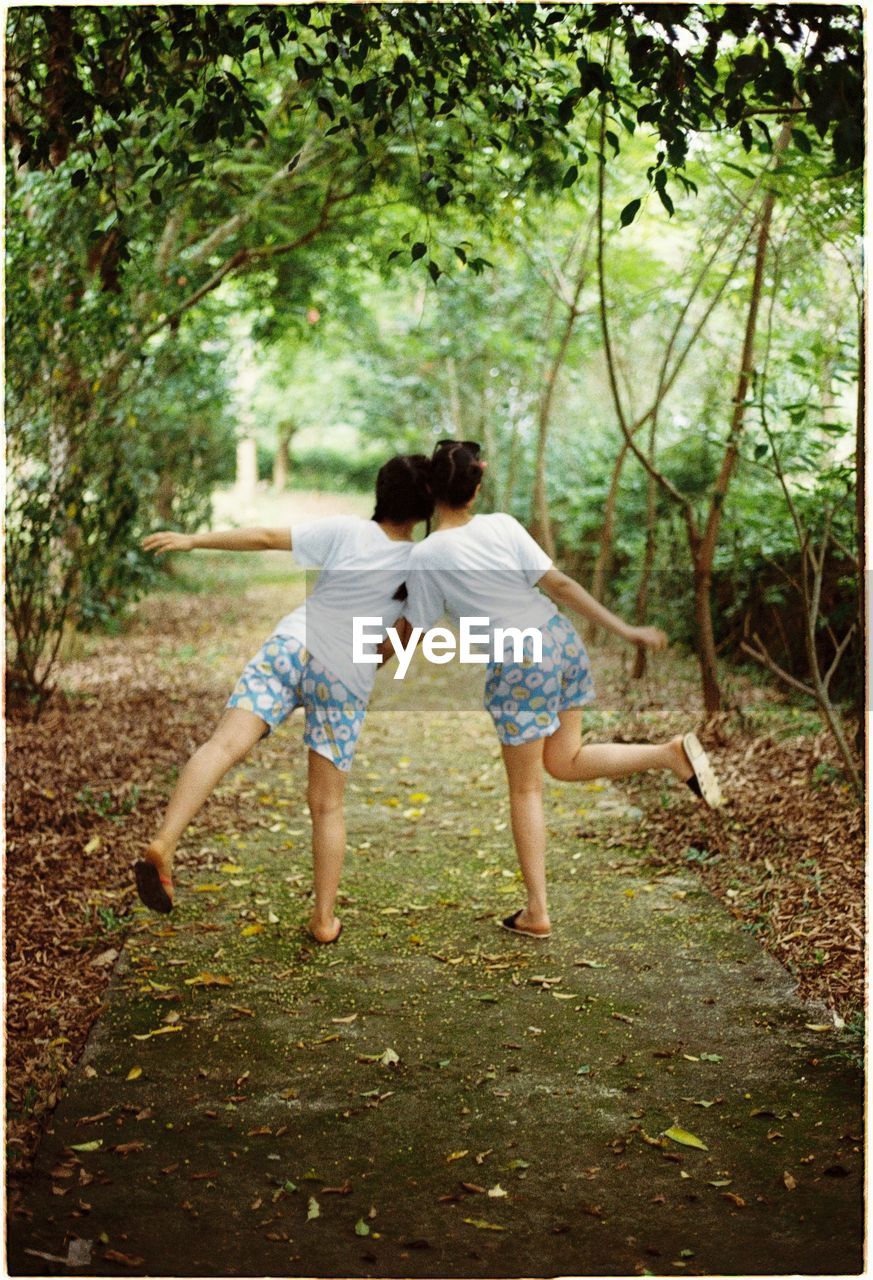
433 1097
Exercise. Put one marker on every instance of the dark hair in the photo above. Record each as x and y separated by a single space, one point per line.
403 489
455 472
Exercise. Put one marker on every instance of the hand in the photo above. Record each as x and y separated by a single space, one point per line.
650 637
165 541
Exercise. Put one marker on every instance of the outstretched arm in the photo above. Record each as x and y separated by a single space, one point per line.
563 590
220 540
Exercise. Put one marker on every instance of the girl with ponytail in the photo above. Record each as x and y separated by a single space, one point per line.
307 662
488 566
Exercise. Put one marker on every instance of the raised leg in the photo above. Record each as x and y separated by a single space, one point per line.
235 735
569 760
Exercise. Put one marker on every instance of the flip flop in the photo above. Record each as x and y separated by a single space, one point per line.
150 886
330 941
510 924
703 781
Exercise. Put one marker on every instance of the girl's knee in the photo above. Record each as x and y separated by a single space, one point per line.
556 764
323 806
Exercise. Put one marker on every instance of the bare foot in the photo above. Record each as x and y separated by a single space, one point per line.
679 761
325 932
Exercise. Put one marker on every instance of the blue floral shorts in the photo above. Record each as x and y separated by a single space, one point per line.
524 698
283 676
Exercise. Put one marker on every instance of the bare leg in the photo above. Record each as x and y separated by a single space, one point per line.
524 771
325 794
235 735
567 759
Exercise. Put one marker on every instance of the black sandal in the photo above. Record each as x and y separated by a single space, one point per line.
150 886
510 924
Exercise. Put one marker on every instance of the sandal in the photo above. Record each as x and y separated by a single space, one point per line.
150 886
510 923
703 781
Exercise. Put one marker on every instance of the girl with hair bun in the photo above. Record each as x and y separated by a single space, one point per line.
489 567
307 662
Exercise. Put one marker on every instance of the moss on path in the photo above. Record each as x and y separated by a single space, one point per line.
433 1097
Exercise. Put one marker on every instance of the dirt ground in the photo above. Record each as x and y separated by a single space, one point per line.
431 1097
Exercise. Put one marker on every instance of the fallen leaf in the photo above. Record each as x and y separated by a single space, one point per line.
389 1058
313 1211
622 1017
482 1225
250 930
361 1228
230 869
159 1031
208 980
456 1155
345 1021
818 1026
87 1146
734 1199
134 1073
789 1180
125 1259
127 1148
684 1138
496 1192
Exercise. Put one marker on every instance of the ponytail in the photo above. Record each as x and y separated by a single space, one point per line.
455 472
403 490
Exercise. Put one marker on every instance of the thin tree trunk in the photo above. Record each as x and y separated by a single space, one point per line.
512 462
705 557
641 610
457 426
282 458
603 564
542 521
860 517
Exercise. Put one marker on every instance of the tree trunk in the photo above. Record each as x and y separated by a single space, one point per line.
164 498
282 458
542 521
706 637
641 610
603 564
456 425
512 456
860 516
705 556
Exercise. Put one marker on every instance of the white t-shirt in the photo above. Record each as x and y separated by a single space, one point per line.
362 568
484 569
